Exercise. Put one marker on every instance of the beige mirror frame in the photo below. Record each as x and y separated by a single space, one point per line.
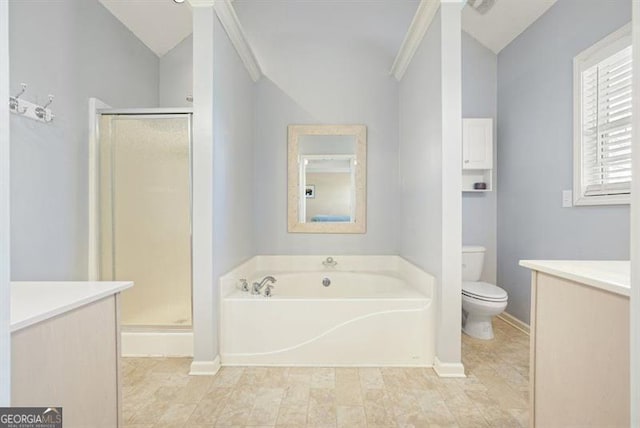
359 225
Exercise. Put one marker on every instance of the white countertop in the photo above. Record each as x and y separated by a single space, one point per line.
33 302
613 276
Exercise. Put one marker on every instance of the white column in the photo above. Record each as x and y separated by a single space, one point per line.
448 346
5 291
635 227
206 360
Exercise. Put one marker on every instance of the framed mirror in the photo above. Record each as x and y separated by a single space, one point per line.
327 178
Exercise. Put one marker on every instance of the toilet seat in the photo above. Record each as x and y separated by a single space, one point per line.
484 291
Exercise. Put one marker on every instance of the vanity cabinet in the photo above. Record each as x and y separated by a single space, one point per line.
477 153
579 367
65 350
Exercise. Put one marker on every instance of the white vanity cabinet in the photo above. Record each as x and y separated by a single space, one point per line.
477 153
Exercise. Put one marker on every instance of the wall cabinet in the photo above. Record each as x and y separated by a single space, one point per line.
477 154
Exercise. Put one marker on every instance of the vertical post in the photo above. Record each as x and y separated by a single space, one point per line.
205 330
5 286
449 351
634 303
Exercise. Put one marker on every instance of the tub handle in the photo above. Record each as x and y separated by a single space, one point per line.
244 285
267 290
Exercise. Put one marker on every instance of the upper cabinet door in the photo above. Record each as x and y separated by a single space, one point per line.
477 143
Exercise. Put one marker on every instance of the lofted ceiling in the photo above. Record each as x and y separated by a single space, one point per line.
162 24
278 28
159 24
503 22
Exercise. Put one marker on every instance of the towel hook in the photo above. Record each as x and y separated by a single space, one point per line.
41 111
14 103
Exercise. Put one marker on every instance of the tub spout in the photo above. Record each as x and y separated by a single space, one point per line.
329 262
257 286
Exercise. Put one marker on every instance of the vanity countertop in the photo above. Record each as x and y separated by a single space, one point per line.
612 276
34 302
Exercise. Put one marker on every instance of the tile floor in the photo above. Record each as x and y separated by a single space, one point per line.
159 393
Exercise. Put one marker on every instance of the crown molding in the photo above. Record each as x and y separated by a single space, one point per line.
421 21
231 24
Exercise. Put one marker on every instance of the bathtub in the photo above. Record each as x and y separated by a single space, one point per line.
377 311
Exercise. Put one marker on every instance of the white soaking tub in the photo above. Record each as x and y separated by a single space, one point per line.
377 311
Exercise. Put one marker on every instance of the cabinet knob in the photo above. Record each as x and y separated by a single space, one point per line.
467 161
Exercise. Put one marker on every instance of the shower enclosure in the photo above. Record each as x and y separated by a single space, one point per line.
144 199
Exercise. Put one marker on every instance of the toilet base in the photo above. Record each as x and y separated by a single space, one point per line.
477 326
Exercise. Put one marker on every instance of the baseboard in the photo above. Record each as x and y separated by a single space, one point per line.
448 369
515 322
205 368
157 343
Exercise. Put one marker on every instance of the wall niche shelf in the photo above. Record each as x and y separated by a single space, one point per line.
477 154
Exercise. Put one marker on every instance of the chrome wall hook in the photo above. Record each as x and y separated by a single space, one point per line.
22 91
41 111
49 103
14 102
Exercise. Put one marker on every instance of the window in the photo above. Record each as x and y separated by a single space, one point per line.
602 121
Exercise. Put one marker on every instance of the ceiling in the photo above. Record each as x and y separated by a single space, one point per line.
159 24
503 22
171 21
278 29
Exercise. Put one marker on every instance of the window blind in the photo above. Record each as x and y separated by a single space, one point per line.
606 126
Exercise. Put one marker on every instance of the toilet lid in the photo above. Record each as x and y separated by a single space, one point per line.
484 291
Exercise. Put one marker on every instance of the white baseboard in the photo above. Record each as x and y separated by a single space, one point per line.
157 343
448 369
205 368
515 322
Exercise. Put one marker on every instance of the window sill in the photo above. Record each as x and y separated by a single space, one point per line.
603 200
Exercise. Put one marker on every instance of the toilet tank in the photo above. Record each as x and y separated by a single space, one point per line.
472 262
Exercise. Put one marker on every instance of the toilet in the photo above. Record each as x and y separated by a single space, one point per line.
481 301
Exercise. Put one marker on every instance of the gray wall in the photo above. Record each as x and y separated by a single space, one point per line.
479 99
535 111
233 156
420 158
176 75
74 49
233 192
324 77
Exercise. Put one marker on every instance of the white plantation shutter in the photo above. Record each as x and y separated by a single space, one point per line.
606 126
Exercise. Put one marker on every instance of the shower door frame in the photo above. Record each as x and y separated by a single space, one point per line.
97 109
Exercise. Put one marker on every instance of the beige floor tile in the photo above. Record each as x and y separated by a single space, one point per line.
351 417
177 413
292 416
296 395
469 417
159 392
149 413
377 413
207 412
323 378
371 378
321 415
263 416
348 394
169 425
322 396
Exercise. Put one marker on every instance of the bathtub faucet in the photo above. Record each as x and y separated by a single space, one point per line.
257 286
329 262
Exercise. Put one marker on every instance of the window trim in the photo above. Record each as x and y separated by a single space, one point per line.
600 50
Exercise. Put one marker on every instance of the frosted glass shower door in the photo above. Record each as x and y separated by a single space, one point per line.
145 200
